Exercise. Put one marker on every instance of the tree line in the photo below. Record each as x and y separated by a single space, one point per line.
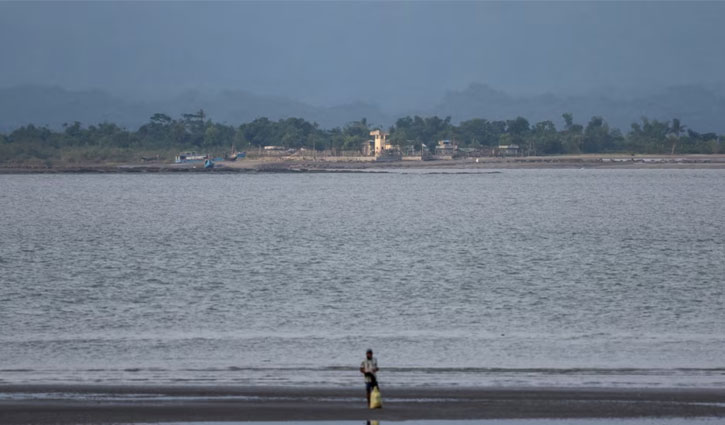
163 135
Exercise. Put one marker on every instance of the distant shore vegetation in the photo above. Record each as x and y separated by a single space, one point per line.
163 137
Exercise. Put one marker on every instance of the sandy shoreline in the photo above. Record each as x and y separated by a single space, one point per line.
41 404
332 165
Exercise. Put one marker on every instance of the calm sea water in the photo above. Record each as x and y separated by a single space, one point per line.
524 277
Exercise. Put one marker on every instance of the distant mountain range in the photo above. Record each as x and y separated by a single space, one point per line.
53 106
700 108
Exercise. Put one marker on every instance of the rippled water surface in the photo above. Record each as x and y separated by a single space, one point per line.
525 277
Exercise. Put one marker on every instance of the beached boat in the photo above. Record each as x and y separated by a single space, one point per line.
190 157
236 155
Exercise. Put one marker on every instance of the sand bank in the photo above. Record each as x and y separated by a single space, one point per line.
44 404
340 164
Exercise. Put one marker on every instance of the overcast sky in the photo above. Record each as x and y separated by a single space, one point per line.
332 52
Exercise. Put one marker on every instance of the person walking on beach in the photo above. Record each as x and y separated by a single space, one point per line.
369 367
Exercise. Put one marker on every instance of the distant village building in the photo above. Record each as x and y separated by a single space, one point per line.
507 150
446 148
274 150
380 140
190 157
368 148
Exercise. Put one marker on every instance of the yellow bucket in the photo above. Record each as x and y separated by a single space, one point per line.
376 400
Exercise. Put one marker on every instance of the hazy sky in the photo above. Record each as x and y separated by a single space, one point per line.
332 52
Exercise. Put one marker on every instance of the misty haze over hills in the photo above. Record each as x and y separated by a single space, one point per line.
700 108
53 106
333 62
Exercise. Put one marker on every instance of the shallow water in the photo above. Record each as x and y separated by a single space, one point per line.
526 277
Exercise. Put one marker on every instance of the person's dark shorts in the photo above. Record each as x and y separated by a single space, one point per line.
372 384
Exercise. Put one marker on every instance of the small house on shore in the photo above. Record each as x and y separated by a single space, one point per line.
507 150
368 148
446 148
272 150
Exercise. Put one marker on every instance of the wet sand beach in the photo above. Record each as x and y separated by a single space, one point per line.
44 404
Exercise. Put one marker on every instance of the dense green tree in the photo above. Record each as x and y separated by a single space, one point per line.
195 126
31 134
547 141
479 132
518 133
649 136
417 130
597 137
352 136
676 130
111 135
568 120
572 135
162 120
258 132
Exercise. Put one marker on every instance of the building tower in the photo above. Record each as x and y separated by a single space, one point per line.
381 141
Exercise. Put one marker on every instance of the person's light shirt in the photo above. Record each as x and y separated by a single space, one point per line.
369 366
